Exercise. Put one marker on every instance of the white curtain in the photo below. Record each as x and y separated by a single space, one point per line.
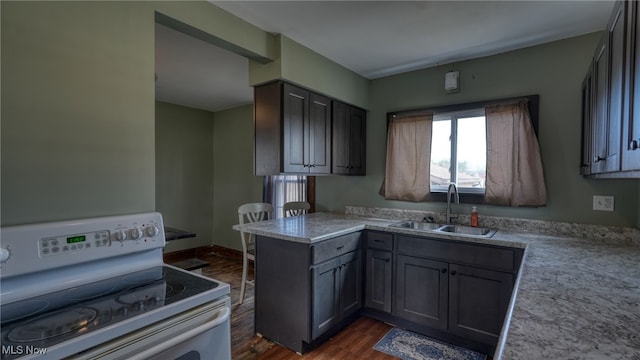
280 189
514 167
408 159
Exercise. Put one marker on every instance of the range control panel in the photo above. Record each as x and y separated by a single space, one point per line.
36 247
65 244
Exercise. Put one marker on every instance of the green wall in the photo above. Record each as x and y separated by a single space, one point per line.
554 71
78 99
234 183
184 172
77 110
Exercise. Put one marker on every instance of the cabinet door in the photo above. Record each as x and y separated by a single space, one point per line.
350 284
600 114
357 145
319 135
478 301
631 127
616 33
587 112
379 267
340 133
325 298
348 139
421 291
295 115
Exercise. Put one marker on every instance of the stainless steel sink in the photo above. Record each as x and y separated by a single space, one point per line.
439 228
467 230
416 225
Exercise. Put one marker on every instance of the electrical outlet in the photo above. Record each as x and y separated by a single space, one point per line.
602 203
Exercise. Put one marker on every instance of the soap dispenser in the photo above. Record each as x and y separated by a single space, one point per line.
474 216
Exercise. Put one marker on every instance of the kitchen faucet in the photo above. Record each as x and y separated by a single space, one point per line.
456 200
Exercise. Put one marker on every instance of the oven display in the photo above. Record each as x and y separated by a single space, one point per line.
76 239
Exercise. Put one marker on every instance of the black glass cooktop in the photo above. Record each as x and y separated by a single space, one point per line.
50 319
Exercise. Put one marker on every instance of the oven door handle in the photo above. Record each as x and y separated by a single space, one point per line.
226 313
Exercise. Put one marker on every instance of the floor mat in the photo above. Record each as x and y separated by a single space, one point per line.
408 345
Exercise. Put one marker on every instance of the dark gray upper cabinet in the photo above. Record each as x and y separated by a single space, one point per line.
587 123
600 113
631 123
613 119
616 31
349 143
294 131
306 119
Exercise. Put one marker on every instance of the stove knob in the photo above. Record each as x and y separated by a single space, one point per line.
121 235
152 231
4 255
123 311
135 233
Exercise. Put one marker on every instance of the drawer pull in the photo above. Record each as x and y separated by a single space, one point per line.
453 272
377 240
444 270
339 247
387 260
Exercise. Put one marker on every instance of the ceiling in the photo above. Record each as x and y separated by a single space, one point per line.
372 38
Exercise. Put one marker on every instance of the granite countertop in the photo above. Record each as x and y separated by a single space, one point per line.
574 298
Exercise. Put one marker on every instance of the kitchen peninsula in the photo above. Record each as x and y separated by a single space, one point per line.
573 297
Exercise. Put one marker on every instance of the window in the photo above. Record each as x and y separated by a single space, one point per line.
280 189
458 151
488 148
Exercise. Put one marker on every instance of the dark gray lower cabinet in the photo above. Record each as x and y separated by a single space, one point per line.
421 291
379 268
305 291
478 302
458 291
336 291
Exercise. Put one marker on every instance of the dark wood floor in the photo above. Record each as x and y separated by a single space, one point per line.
354 342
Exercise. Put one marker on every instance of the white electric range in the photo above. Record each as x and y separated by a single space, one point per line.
98 289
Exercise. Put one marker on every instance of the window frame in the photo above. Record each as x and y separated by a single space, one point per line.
454 116
469 198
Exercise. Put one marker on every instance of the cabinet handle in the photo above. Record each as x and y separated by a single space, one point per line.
339 247
377 240
387 260
633 145
598 158
444 270
453 272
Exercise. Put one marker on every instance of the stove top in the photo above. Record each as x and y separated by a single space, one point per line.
48 320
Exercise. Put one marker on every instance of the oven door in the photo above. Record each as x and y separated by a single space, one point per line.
200 333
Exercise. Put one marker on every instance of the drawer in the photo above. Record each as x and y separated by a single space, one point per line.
331 248
378 240
485 256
